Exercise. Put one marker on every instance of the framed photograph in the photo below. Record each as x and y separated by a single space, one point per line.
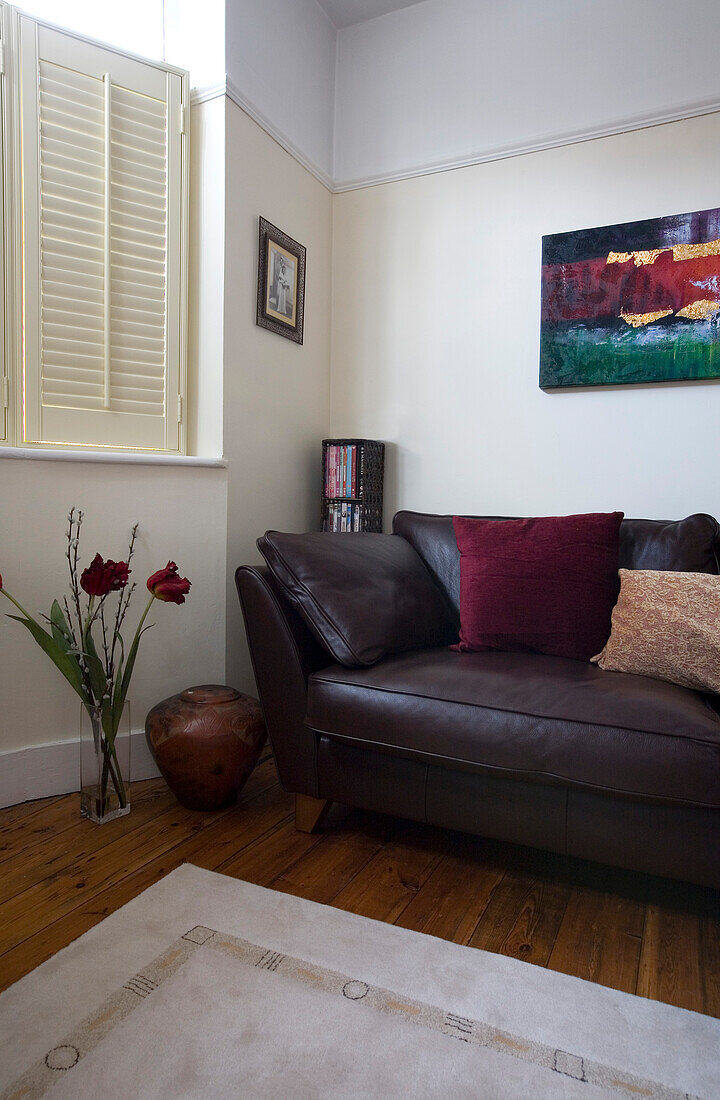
281 283
632 303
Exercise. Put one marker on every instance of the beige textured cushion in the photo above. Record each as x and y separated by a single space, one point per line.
666 625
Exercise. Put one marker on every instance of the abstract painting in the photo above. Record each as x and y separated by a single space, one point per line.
632 303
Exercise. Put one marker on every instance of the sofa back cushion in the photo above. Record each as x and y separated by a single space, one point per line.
363 595
666 625
689 545
545 585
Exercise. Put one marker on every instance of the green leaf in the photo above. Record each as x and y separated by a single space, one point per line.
64 662
108 721
90 645
95 667
59 626
117 701
59 622
96 673
60 638
96 670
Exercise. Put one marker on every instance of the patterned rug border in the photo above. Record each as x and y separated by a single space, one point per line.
63 1057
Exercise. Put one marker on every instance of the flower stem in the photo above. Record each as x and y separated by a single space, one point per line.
12 599
111 768
138 632
106 758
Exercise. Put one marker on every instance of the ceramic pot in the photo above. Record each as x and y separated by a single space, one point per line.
206 741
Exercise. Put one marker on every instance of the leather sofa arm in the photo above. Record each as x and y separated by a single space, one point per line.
284 653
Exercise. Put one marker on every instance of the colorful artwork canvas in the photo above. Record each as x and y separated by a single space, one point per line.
632 303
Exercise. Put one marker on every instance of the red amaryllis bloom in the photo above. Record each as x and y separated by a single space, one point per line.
167 585
102 577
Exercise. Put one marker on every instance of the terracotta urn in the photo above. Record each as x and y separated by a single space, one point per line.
206 741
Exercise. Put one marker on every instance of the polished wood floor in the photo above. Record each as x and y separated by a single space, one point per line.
60 875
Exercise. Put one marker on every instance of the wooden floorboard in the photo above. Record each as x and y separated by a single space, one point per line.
391 879
12 815
710 964
60 875
457 891
40 822
667 973
79 842
326 870
600 938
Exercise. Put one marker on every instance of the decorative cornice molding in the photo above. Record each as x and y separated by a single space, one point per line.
246 104
547 141
206 93
449 164
229 88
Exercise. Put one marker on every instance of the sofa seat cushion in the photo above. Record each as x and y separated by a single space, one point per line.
546 719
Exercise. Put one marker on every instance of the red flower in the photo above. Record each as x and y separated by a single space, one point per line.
167 585
102 577
0 582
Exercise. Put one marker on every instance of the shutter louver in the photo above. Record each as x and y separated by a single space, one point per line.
105 259
71 238
139 253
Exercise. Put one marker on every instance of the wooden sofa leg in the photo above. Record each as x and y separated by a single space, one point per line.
310 812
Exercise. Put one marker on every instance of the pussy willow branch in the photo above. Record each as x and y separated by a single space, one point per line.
128 593
68 616
94 613
123 601
73 540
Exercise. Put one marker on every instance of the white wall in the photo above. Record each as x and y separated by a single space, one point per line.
281 66
436 332
181 512
452 80
433 349
274 398
182 515
207 274
277 393
195 39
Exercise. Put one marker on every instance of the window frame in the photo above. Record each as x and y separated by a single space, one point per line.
6 264
177 269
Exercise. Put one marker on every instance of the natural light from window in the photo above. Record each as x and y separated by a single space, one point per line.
133 25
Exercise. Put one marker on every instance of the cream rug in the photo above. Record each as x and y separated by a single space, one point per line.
204 986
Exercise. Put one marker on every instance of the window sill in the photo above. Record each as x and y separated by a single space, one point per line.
127 458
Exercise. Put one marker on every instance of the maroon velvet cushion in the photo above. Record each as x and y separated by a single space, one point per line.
545 585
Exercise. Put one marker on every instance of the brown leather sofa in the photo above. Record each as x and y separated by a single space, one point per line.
523 747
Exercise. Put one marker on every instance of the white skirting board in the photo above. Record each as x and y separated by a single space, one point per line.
54 768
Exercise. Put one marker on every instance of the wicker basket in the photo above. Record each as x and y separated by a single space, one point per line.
371 468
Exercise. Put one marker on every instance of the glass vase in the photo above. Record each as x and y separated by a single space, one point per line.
104 765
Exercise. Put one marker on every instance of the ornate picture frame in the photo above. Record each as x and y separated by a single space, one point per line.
281 283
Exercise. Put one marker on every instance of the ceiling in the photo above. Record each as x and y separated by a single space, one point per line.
344 13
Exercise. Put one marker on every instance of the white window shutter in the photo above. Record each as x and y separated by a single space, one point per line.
4 177
104 168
